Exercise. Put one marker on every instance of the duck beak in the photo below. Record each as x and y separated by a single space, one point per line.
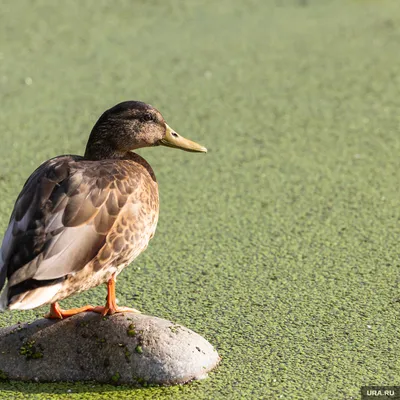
172 139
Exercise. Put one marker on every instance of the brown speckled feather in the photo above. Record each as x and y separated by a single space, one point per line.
78 220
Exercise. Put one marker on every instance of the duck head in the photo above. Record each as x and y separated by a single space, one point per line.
132 125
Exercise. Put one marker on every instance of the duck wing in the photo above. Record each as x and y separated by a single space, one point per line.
60 220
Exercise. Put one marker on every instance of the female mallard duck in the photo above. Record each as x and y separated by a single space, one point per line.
79 221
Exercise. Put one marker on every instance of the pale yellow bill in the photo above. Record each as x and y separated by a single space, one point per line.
173 139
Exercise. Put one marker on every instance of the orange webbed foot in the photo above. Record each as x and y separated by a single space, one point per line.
110 308
56 312
105 310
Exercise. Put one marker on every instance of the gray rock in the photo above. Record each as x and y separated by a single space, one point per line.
123 348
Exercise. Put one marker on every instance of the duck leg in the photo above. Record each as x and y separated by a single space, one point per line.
56 312
111 304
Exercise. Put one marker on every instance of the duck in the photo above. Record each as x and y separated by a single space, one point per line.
80 220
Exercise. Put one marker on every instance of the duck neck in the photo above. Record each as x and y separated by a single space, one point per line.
102 151
101 145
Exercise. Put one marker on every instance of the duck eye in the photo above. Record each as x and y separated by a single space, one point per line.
148 117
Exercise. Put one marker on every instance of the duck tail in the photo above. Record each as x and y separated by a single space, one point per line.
4 294
4 299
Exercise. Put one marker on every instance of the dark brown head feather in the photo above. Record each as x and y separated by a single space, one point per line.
125 127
